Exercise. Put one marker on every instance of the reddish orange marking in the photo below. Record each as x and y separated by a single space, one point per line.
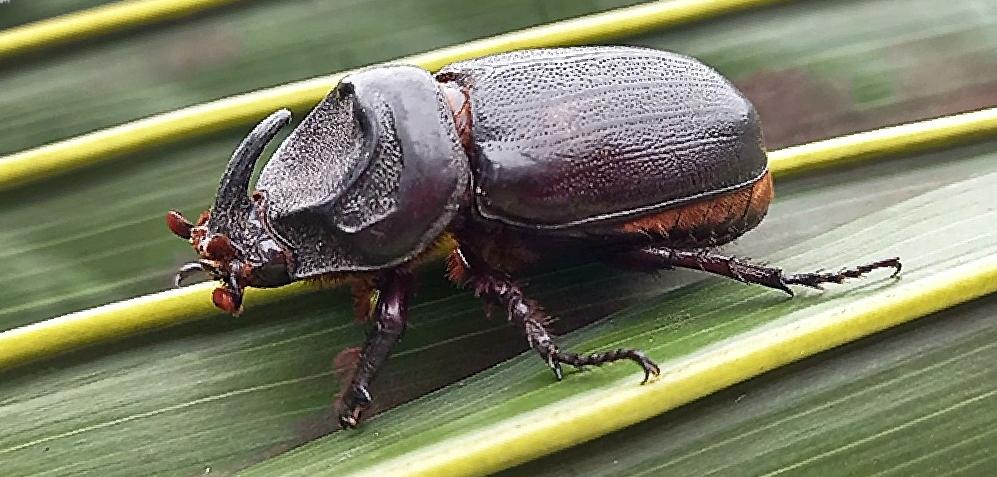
719 219
456 269
761 196
460 107
500 251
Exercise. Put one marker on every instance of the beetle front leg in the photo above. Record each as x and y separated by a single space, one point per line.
741 270
390 317
499 288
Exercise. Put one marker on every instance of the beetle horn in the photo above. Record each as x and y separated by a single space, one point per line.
235 183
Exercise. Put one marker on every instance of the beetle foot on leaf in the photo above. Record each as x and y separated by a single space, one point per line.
355 403
539 339
814 280
596 359
500 289
555 365
390 317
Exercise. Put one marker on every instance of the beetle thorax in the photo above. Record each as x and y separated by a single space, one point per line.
371 178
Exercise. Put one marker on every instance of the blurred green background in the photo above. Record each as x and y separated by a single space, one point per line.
814 69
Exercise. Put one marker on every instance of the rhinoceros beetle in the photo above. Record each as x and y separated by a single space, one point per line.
641 158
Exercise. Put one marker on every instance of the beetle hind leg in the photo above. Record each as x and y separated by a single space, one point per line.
656 258
498 288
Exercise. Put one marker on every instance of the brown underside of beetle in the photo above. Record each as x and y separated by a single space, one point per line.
695 225
710 222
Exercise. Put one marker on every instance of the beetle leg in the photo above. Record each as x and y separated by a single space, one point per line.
541 342
743 271
500 289
391 315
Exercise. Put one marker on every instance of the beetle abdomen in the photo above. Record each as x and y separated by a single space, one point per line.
574 136
707 223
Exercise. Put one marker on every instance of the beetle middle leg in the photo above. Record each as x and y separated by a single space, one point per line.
654 258
499 288
391 313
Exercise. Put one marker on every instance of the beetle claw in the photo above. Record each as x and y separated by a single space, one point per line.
650 367
555 366
784 287
358 400
347 421
897 266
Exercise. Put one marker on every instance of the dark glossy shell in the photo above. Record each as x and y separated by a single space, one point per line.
575 136
370 178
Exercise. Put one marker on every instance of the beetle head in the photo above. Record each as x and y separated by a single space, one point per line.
232 238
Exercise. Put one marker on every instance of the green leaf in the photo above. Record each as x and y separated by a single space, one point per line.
19 13
225 393
918 400
677 328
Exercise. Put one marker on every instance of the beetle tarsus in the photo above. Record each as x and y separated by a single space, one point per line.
743 271
596 359
814 280
391 316
540 341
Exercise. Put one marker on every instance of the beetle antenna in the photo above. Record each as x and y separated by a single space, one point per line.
235 182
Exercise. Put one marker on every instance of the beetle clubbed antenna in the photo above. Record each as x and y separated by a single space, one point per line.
179 224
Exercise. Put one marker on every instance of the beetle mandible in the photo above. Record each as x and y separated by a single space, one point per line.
642 158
